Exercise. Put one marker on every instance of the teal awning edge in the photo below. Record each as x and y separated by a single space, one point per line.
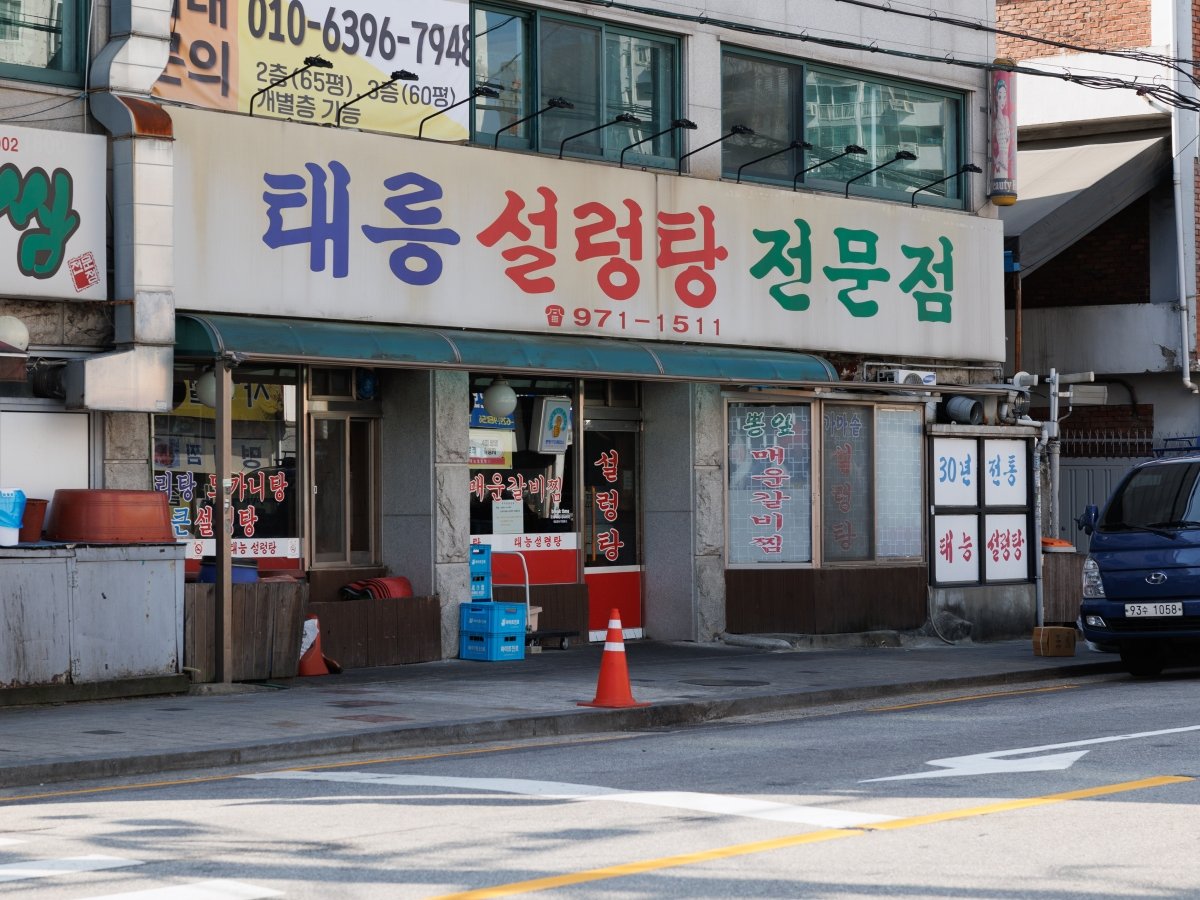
210 335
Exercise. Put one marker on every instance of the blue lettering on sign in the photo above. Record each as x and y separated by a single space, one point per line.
323 197
416 239
328 214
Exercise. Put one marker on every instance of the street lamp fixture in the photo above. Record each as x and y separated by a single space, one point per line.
627 118
733 132
901 156
480 90
552 103
401 75
851 150
675 124
794 145
964 169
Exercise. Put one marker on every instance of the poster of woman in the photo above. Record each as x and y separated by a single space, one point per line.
1003 189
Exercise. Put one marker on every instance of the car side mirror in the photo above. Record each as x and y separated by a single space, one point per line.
1087 521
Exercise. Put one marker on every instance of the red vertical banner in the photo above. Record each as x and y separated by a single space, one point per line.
1003 126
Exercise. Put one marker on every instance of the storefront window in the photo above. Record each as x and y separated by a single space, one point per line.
847 435
870 506
899 521
522 467
770 483
264 472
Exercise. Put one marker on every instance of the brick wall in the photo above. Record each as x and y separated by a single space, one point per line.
1109 265
1103 24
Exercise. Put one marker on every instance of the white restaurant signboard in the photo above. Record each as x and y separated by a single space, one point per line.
981 510
280 219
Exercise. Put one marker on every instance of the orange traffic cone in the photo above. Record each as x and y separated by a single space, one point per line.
612 690
312 660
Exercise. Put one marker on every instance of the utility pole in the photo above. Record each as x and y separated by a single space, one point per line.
1055 381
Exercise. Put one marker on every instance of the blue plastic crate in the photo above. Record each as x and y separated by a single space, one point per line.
481 587
490 647
481 559
492 618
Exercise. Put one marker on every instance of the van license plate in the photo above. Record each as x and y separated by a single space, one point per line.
1139 610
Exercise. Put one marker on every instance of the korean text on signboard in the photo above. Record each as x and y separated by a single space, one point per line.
982 521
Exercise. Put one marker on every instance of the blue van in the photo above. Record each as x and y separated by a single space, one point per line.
1141 578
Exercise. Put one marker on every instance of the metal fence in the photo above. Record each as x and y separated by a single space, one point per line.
1108 443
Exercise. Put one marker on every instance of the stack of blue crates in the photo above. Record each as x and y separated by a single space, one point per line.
491 631
481 572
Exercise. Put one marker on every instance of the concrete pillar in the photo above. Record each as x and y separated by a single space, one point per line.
406 483
684 513
452 508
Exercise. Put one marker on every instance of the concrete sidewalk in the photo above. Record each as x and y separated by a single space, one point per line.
457 701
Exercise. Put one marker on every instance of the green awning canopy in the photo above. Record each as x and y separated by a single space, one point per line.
206 336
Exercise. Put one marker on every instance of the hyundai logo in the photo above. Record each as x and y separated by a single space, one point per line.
1155 578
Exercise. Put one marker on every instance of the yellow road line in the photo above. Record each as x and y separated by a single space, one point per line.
1045 690
113 788
1028 802
650 865
812 837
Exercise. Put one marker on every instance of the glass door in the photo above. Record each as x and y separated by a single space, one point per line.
343 448
612 553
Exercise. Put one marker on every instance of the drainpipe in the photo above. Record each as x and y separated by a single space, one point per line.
1185 88
137 375
1185 302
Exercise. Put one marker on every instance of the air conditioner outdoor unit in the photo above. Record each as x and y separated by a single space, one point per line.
908 376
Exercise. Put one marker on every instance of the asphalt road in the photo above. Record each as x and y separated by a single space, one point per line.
1075 790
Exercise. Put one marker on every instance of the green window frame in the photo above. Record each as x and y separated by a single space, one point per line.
605 70
785 100
44 41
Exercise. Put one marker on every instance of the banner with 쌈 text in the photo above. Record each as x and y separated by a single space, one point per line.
52 214
226 54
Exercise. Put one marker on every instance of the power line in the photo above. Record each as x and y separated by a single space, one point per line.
1163 93
45 109
1169 62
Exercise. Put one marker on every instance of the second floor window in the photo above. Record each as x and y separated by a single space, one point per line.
603 71
833 110
43 40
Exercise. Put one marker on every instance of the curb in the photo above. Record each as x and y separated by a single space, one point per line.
582 721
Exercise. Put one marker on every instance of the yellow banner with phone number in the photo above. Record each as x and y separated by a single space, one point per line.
410 60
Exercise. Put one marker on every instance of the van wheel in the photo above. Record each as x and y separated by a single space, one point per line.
1142 664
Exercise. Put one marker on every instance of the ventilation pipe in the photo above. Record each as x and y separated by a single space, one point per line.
136 376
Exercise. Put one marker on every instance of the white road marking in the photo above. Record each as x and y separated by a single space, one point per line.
218 889
993 763
717 804
66 866
8 842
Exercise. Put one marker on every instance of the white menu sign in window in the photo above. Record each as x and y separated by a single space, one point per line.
956 549
1005 472
1006 547
955 472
